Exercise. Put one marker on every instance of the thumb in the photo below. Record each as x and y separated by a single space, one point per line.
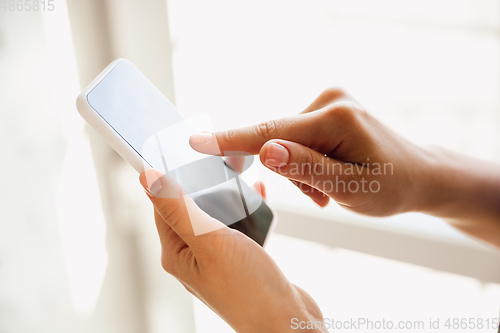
179 211
300 163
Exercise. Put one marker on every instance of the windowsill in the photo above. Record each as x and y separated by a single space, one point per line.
412 238
415 224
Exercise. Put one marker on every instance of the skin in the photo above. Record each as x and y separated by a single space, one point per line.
244 287
334 133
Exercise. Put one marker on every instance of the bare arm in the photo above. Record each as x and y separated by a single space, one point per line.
465 192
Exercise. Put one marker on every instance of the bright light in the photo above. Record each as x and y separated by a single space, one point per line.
78 204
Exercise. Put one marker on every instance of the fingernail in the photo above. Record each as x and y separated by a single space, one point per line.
154 184
277 155
202 138
205 143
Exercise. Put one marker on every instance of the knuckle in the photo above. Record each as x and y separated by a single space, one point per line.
333 93
268 129
343 112
306 162
229 135
167 265
173 215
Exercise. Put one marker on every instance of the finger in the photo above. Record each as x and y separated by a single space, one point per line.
177 257
166 196
250 139
320 198
320 130
326 98
307 166
237 163
260 188
171 243
179 212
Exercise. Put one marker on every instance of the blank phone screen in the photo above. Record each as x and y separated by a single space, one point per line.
141 115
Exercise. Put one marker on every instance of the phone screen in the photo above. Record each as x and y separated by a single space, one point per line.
144 117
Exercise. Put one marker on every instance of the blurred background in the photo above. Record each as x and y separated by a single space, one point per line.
78 249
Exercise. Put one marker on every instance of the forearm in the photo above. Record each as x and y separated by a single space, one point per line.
464 191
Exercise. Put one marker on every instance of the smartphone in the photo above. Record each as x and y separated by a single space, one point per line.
143 126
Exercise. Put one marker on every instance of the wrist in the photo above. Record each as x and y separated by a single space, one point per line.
437 183
450 183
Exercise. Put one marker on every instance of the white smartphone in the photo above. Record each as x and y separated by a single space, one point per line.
135 118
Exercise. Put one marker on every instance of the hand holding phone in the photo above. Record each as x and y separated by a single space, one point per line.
226 270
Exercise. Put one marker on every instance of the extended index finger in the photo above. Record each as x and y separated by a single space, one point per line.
250 139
